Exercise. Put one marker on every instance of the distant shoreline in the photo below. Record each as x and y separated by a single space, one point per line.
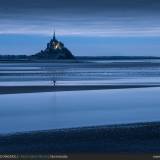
58 88
28 58
116 57
125 138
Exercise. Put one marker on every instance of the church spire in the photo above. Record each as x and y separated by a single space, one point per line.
54 35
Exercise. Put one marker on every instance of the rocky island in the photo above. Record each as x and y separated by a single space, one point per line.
55 50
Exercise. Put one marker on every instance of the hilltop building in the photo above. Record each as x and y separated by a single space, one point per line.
55 50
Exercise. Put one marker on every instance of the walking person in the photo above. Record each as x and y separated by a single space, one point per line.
54 83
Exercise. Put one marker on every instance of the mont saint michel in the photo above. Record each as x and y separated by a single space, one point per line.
55 50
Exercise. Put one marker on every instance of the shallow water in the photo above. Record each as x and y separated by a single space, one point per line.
41 111
86 71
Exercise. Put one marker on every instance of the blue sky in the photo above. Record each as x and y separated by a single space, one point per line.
99 27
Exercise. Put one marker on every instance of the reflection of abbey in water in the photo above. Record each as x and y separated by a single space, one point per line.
55 50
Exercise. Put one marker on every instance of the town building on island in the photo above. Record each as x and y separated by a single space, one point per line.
55 50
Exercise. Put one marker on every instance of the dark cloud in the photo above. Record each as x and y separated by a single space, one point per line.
81 5
80 17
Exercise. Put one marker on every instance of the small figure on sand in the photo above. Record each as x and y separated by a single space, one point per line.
54 83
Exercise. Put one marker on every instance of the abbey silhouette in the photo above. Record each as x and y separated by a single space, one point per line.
55 50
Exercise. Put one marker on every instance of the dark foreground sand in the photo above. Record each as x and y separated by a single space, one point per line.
131 138
35 89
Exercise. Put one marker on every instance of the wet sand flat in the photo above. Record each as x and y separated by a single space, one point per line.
36 89
128 138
